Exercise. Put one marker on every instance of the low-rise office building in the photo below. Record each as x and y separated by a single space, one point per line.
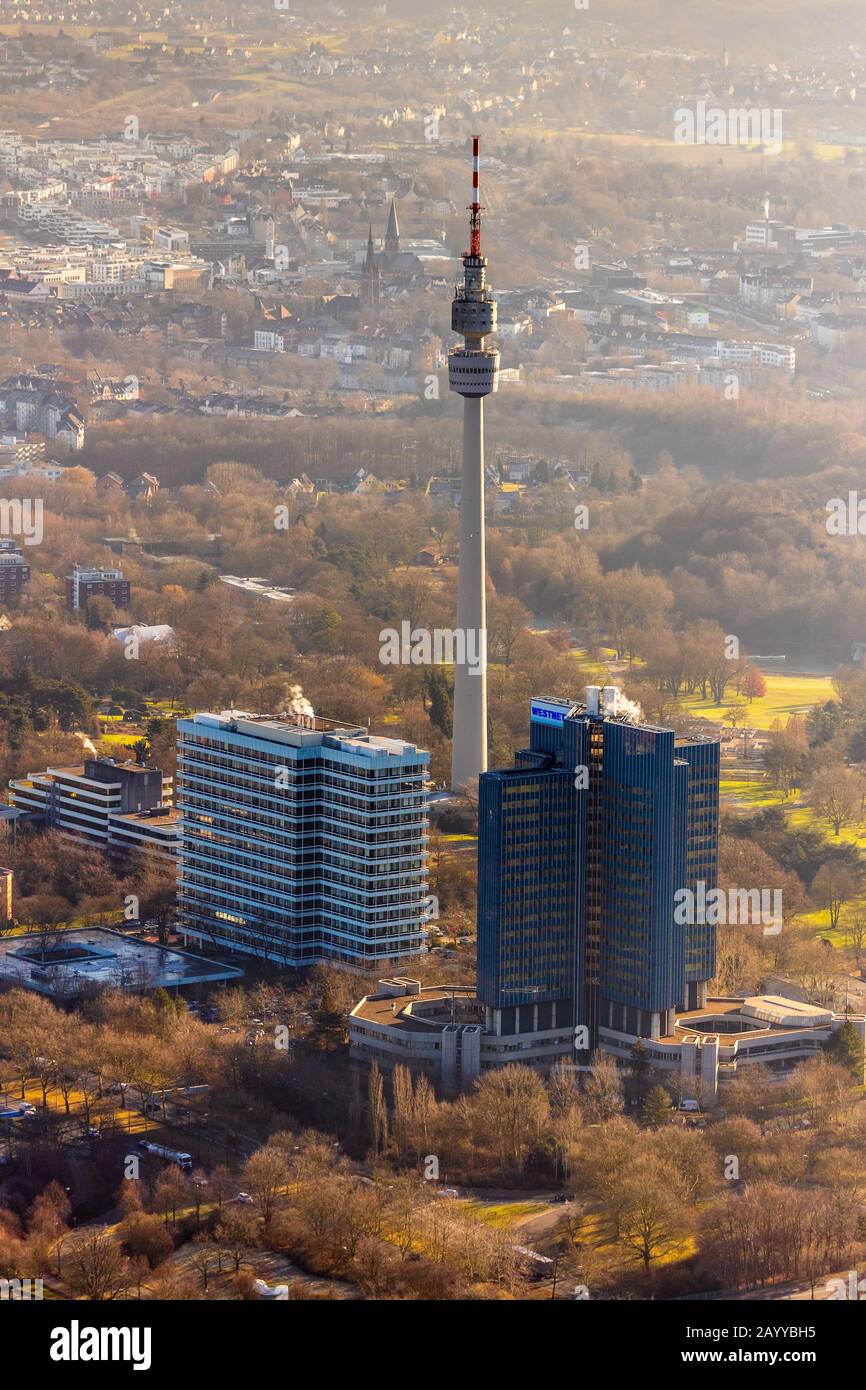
118 807
440 1030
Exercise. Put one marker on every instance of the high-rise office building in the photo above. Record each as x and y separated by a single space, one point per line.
301 840
585 847
582 847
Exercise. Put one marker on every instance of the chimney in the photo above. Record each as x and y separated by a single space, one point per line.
609 700
592 694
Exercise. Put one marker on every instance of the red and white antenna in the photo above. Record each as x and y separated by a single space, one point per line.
475 205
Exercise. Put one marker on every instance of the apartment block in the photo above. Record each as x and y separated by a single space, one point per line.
84 584
14 572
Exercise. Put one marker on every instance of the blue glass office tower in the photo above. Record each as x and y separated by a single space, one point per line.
582 846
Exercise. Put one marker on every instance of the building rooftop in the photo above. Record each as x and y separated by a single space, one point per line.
422 1008
99 956
302 729
771 1014
158 815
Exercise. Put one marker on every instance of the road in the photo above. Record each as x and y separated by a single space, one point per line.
828 1288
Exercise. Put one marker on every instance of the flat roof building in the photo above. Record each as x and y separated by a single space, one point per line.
118 807
582 846
303 840
440 1030
65 963
84 584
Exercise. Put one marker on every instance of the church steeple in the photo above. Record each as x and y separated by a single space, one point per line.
371 278
392 236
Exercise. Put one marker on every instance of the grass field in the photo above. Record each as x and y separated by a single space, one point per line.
785 695
506 1214
755 795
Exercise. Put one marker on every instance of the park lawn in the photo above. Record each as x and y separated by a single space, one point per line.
819 918
172 708
785 695
682 1249
803 817
822 150
505 1214
595 1229
120 738
757 794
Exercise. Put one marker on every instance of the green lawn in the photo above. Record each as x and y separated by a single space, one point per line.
753 795
504 1214
785 695
804 816
756 795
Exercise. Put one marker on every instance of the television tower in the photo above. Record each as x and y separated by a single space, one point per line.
473 372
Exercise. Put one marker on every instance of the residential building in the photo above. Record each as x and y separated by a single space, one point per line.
84 584
14 572
29 405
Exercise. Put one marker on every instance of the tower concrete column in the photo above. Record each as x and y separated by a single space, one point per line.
469 736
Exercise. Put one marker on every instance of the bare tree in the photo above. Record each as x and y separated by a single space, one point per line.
96 1268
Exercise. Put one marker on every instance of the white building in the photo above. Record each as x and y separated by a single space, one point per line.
439 1030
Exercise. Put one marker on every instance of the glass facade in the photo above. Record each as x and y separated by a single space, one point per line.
300 843
582 846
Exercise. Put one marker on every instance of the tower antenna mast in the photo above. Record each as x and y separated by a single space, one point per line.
475 205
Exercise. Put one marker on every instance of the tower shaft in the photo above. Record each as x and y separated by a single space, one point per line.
469 737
